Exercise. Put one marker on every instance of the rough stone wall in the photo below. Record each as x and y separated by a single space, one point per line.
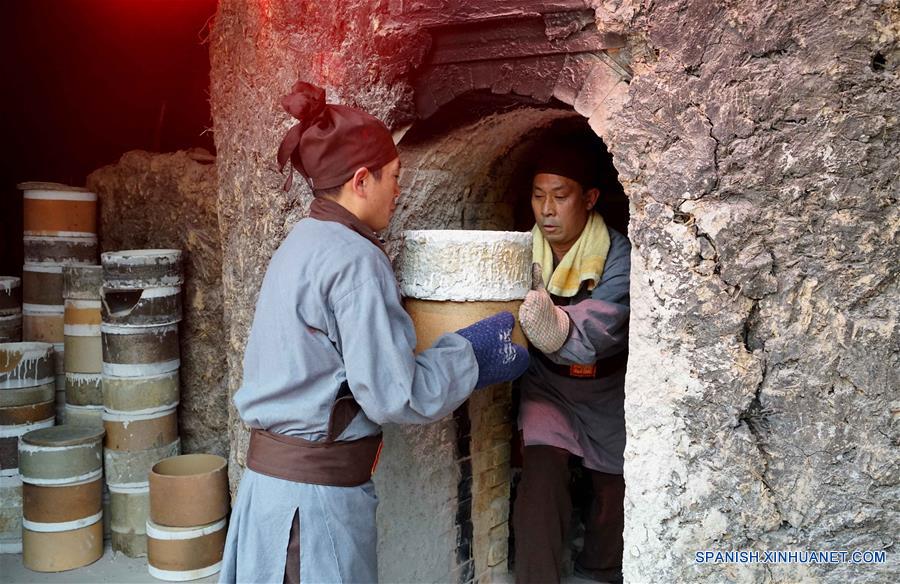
759 146
169 201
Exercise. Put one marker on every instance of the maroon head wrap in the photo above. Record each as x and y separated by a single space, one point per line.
331 141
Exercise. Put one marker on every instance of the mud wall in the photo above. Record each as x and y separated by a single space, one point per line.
169 201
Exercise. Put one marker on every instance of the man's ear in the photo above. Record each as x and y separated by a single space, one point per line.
590 198
360 181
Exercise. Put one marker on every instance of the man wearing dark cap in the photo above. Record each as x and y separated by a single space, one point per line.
331 357
572 397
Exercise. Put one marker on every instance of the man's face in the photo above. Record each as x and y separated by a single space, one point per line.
383 195
560 208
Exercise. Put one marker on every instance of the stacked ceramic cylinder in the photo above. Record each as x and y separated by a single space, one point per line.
83 349
188 505
60 229
26 403
10 309
62 475
140 310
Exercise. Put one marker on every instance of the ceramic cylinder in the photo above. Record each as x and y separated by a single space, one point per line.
62 491
25 365
143 306
140 431
59 358
83 415
82 282
465 266
174 483
61 250
10 514
42 284
452 279
142 268
129 508
433 319
60 386
9 441
10 295
131 467
57 551
58 210
15 416
141 395
11 327
178 554
69 506
139 351
61 455
134 443
83 346
84 389
43 323
106 522
27 395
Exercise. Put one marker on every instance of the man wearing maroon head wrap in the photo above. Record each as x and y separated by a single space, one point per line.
331 357
572 397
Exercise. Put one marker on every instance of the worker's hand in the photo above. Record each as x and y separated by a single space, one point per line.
545 325
499 359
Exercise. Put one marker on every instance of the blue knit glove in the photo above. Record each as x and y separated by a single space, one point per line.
499 359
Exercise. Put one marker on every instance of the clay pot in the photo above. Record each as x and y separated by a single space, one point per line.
84 389
11 514
453 278
140 351
129 508
178 554
136 269
62 491
10 295
189 490
58 210
62 550
123 395
61 250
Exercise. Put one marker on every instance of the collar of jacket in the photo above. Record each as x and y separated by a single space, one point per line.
325 209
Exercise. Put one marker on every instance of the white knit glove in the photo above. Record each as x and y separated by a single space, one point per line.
545 325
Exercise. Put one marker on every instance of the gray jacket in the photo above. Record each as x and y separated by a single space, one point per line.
585 416
329 310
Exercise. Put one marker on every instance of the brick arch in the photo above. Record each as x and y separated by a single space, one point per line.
544 53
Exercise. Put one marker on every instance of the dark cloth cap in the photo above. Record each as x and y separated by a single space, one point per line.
569 161
331 141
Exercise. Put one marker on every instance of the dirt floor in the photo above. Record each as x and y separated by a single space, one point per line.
111 568
119 569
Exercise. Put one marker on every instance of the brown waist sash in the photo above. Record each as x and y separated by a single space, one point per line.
333 463
338 464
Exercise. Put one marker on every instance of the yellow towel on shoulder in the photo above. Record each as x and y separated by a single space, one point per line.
584 261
